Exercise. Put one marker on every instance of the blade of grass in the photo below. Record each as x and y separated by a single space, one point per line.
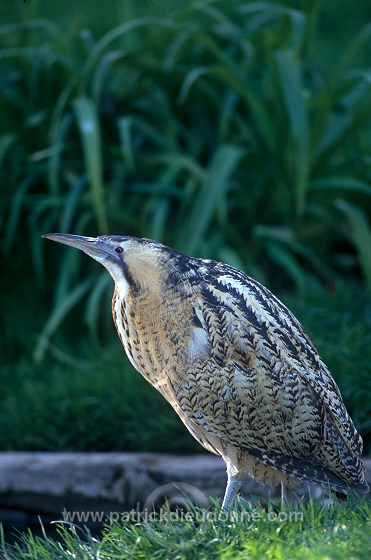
341 183
360 233
125 127
71 204
87 119
51 29
181 162
6 140
279 250
290 82
55 161
57 316
124 29
360 40
18 201
216 181
101 285
103 69
328 96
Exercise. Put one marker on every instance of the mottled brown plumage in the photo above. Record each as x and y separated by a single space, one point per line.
233 362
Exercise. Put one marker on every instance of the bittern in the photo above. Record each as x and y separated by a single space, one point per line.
233 362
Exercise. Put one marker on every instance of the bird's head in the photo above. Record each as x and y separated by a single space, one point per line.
132 262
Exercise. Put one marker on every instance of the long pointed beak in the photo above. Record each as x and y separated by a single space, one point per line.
95 247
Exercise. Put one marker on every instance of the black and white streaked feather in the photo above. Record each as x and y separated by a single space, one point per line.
234 363
268 393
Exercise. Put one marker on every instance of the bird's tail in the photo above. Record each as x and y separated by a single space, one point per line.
304 469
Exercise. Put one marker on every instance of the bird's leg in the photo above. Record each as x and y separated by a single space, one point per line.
233 486
286 494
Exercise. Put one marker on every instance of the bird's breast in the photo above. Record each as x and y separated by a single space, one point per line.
157 335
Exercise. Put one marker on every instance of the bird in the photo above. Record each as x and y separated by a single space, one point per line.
233 362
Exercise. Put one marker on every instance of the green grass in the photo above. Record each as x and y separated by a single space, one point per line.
94 403
312 532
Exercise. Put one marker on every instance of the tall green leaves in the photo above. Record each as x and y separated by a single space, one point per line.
210 128
360 235
212 191
89 126
291 85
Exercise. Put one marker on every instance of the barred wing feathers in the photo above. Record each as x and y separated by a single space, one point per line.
256 381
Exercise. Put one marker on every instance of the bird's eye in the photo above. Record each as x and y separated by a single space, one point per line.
119 249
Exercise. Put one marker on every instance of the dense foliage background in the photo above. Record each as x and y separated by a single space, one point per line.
228 129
